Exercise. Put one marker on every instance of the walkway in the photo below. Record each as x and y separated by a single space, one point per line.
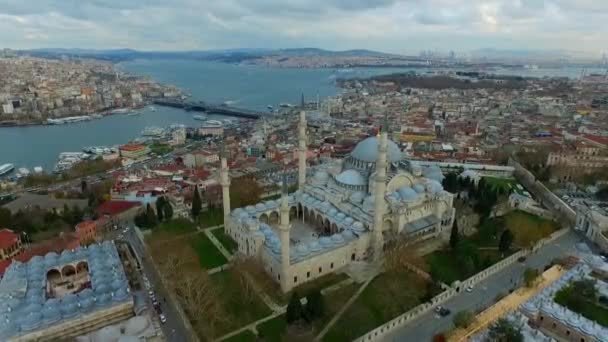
217 242
251 326
506 305
343 310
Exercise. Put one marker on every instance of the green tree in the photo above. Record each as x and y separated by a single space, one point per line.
83 186
454 235
66 214
504 331
141 220
506 239
160 207
151 219
197 205
315 307
6 218
76 215
463 319
168 210
295 311
530 276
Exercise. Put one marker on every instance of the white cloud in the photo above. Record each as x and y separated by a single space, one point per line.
403 26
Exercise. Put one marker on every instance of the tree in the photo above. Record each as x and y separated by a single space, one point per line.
83 186
151 219
454 234
66 215
160 203
6 218
168 210
197 205
244 191
530 276
140 220
76 215
463 319
295 311
315 307
504 331
506 239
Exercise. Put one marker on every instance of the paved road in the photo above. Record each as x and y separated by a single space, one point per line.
426 326
174 329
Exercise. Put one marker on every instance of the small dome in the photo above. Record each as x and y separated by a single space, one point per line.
332 212
348 234
348 221
314 246
419 188
351 177
250 209
108 333
367 151
31 321
415 168
260 207
238 212
357 197
302 249
340 217
321 177
358 227
337 239
325 242
434 187
407 194
368 203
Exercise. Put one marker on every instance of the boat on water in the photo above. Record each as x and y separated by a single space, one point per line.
286 105
212 123
133 113
270 107
152 108
23 171
199 117
120 111
38 169
6 168
153 132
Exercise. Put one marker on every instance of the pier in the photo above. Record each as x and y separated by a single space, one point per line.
200 106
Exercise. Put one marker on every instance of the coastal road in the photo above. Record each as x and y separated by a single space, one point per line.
174 328
483 295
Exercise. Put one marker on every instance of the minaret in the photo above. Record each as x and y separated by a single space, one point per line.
225 183
284 236
302 150
379 189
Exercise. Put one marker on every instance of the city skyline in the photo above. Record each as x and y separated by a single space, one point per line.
394 26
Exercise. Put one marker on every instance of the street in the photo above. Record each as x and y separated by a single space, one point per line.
483 295
173 329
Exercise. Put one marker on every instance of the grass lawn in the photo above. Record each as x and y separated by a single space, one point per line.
177 226
274 329
160 149
241 309
527 229
225 239
450 265
386 297
505 184
208 255
245 336
211 218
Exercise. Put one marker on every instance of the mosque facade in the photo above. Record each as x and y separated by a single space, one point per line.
343 211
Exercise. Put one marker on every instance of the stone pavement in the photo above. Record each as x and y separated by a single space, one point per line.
506 305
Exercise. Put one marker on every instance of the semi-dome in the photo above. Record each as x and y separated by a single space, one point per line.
357 197
368 203
419 188
407 194
351 177
367 151
434 187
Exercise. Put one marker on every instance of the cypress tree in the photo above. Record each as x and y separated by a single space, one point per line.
160 203
454 235
196 203
151 219
168 210
295 310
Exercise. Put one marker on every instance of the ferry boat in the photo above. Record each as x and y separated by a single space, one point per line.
6 168
23 171
120 111
153 132
199 117
270 108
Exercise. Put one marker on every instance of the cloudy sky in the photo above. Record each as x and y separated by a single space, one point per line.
400 26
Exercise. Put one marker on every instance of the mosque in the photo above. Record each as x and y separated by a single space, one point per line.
343 211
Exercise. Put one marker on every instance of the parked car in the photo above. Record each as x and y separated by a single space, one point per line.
470 288
521 259
163 318
444 312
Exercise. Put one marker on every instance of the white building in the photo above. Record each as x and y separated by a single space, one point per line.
345 212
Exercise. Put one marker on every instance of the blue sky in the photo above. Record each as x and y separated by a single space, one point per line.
399 26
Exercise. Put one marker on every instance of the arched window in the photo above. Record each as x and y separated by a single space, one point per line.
68 270
53 275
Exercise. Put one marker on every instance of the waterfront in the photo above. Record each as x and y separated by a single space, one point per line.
251 87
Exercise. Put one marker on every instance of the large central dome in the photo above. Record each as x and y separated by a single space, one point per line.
367 151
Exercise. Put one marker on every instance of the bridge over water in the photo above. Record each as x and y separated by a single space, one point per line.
200 106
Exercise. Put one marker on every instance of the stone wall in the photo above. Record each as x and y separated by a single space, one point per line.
382 331
542 193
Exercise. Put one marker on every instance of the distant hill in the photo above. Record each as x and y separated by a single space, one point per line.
227 55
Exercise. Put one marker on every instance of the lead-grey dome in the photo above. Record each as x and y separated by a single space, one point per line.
367 151
351 177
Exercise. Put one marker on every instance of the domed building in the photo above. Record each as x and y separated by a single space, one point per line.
345 211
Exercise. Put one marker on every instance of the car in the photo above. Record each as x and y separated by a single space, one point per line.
521 259
151 293
469 288
163 318
444 312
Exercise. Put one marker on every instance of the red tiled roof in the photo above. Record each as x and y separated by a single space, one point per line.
7 238
597 139
115 207
131 147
